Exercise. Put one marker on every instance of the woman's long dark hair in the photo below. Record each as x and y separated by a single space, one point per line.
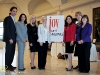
66 24
21 17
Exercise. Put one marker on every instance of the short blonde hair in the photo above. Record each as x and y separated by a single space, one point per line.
78 13
33 16
44 17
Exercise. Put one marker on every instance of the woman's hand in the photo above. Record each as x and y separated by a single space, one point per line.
82 41
63 44
31 44
79 42
71 43
41 44
49 44
98 54
24 40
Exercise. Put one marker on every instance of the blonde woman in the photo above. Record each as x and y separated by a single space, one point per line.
32 37
44 41
78 15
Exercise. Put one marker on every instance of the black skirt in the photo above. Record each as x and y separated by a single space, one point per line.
35 47
68 48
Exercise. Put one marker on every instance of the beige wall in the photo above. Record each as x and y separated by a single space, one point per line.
85 9
42 6
4 11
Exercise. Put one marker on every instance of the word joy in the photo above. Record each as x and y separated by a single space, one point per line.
53 22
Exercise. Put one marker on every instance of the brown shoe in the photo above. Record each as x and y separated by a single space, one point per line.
13 67
10 69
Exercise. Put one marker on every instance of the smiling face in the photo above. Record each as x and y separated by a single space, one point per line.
85 19
13 12
78 16
23 18
68 20
33 19
44 20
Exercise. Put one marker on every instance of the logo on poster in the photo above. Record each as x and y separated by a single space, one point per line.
53 27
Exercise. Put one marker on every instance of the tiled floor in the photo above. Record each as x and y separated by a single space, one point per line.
54 66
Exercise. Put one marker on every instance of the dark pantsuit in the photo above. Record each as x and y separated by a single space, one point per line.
42 55
84 56
9 54
76 51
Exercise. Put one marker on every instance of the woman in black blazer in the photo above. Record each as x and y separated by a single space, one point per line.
32 37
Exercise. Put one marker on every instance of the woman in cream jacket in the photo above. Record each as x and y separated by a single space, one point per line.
44 41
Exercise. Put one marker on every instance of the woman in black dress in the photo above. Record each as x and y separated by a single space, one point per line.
78 15
32 37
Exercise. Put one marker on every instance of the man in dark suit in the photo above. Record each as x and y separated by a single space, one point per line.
9 38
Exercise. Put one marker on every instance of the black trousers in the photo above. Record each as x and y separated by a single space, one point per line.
76 51
9 54
42 55
84 56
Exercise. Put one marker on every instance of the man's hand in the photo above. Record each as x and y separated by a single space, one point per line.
11 41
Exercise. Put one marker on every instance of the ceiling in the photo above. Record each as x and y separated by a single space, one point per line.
6 1
10 1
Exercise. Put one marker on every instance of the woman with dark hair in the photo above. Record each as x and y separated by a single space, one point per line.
84 44
21 39
32 37
69 39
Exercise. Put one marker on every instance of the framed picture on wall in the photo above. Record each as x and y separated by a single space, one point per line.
96 24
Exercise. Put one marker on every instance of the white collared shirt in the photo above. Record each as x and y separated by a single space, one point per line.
12 18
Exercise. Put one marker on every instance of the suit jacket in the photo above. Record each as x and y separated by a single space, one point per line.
69 33
41 34
85 33
21 31
9 29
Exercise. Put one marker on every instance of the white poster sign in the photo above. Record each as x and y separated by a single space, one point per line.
56 27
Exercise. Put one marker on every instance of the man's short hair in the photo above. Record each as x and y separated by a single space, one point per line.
13 8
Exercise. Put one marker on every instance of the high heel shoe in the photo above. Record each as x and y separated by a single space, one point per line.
71 67
33 67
